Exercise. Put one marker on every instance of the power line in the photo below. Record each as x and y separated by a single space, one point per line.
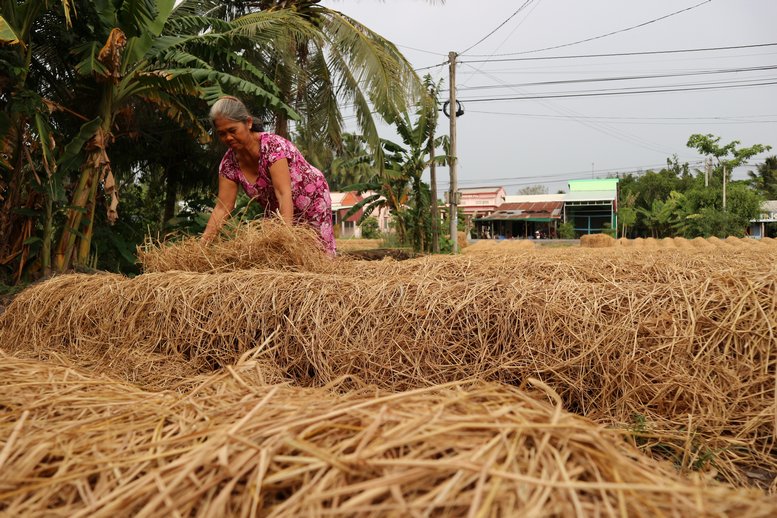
484 38
596 126
626 78
742 119
620 92
420 50
609 33
619 54
574 175
444 63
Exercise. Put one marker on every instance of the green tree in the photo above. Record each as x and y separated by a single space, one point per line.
726 157
533 189
764 179
339 60
135 52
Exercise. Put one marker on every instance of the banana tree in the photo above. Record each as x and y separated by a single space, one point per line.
400 186
144 51
28 173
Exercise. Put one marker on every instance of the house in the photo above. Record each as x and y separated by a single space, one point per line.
768 216
480 201
525 216
342 202
346 227
592 205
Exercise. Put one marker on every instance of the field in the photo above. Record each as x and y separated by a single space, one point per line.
259 378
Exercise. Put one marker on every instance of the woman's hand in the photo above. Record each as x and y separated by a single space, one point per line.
224 206
281 184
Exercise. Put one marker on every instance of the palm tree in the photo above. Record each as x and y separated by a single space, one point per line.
764 180
138 52
343 64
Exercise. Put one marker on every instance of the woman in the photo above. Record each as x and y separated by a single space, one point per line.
270 170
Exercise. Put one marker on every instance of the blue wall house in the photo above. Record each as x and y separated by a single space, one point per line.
592 205
766 223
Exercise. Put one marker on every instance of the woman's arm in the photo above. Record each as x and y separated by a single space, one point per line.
224 206
281 184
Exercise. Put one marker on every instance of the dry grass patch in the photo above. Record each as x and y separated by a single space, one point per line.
79 446
617 333
597 241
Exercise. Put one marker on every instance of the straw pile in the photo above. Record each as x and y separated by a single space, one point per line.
499 246
265 243
597 241
78 447
355 244
617 333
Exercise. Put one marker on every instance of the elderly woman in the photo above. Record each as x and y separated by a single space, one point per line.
271 170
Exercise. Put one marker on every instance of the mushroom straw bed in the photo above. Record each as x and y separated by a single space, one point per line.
681 344
267 243
77 446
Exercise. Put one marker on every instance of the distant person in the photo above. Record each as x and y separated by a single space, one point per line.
271 170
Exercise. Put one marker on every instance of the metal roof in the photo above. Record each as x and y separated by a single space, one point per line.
481 190
768 212
603 196
546 211
534 198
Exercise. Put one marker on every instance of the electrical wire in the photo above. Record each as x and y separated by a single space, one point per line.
621 54
619 92
623 78
596 126
484 38
743 119
619 31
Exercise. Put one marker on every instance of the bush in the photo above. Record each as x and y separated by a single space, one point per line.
370 228
566 230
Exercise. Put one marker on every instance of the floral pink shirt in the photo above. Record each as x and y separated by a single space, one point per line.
309 190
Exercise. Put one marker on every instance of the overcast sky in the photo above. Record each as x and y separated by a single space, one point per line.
521 142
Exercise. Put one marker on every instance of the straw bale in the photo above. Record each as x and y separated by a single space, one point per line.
461 239
768 240
720 243
700 242
666 242
616 332
355 244
265 243
494 247
734 241
76 446
597 241
639 242
481 245
650 242
624 241
662 335
681 242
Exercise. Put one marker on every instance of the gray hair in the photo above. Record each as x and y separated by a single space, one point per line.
230 108
233 109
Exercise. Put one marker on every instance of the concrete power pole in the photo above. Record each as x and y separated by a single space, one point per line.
724 188
435 209
452 200
707 165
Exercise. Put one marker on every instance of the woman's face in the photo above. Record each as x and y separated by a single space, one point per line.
236 135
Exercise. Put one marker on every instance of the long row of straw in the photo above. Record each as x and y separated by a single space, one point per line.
77 446
680 342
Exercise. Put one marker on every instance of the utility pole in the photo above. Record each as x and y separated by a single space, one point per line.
433 179
724 187
452 199
707 165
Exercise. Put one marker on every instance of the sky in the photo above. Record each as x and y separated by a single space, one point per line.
540 140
